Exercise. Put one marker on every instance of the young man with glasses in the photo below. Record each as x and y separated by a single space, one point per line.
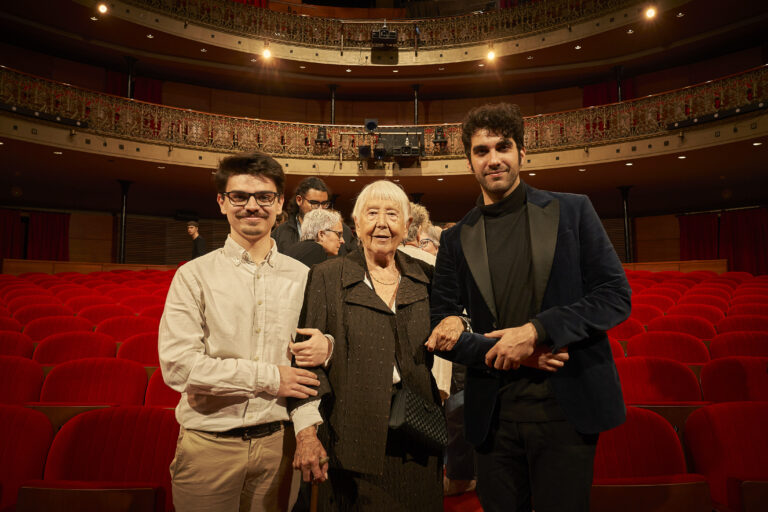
310 194
225 344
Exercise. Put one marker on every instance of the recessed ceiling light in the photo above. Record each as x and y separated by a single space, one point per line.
582 169
491 55
680 14
530 57
1 143
102 8
531 174
650 13
628 164
161 167
349 70
396 181
395 70
150 36
94 18
439 179
58 153
441 69
577 47
254 60
203 50
681 157
302 67
757 143
481 65
630 31
266 53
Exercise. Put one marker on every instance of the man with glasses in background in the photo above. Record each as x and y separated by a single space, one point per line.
311 194
225 344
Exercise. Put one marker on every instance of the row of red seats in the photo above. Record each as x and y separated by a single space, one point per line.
117 327
66 346
690 349
132 447
87 381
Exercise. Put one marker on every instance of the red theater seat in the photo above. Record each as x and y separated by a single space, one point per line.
159 394
749 299
616 348
95 381
10 293
25 436
709 300
728 444
44 327
101 312
644 313
712 291
739 343
687 324
112 448
141 348
743 323
79 291
679 346
153 311
123 327
9 324
83 301
655 380
626 329
14 343
659 301
20 380
737 276
34 311
748 309
663 291
28 300
735 379
711 314
66 346
138 302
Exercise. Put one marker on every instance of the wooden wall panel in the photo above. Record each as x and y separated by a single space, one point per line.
657 238
615 230
187 96
90 237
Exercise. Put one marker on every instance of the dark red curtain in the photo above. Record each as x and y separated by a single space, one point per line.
148 89
607 92
698 236
116 83
11 234
744 240
48 237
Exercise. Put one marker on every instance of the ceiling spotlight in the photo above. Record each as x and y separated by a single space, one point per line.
531 174
266 53
302 67
58 153
481 65
439 179
628 164
150 36
491 55
650 13
757 143
441 69
395 70
349 70
582 170
203 50
577 47
1 143
161 167
102 8
352 180
630 31
681 157
397 180
680 15
254 60
94 18
530 57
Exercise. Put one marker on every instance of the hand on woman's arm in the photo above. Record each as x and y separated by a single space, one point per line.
315 351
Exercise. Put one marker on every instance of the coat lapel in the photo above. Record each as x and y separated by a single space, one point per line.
357 292
543 223
475 252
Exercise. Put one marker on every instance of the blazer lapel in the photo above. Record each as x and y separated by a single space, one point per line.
472 238
353 280
543 222
413 285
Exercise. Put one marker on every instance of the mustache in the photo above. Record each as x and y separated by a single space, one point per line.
243 215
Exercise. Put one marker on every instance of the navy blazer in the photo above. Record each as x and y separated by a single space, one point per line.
580 291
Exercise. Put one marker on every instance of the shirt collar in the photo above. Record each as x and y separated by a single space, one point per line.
509 204
239 255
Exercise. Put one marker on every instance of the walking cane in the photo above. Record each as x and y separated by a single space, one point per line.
315 489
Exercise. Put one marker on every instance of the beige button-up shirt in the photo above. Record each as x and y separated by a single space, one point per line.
225 330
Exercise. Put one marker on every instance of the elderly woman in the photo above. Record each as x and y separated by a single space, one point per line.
322 234
374 302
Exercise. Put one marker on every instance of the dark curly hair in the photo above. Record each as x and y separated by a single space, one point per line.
310 182
255 164
502 119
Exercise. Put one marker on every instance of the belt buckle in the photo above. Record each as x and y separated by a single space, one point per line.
246 435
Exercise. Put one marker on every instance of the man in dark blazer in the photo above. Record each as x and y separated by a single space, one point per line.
540 283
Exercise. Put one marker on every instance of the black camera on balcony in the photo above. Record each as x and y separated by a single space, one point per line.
384 37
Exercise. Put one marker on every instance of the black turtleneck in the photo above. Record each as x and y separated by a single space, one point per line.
526 394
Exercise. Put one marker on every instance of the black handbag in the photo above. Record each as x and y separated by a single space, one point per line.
419 420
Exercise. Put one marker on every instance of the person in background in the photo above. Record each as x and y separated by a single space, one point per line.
198 242
429 238
321 237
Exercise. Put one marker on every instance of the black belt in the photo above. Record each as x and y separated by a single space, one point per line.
252 432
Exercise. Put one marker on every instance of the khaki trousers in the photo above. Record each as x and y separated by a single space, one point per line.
227 474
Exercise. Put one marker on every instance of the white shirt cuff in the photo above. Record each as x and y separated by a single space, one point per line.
306 415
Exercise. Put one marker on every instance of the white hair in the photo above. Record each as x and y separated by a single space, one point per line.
318 220
420 221
386 191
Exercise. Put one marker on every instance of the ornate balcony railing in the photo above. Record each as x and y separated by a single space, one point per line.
114 116
248 21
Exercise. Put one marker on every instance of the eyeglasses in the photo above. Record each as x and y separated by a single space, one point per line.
240 198
339 234
314 204
424 241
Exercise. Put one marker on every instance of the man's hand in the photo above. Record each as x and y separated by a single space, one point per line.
294 382
445 335
544 359
515 345
312 352
310 456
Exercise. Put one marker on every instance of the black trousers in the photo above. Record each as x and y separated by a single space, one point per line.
542 465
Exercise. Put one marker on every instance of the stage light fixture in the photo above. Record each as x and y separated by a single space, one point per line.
102 8
266 53
650 13
491 55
